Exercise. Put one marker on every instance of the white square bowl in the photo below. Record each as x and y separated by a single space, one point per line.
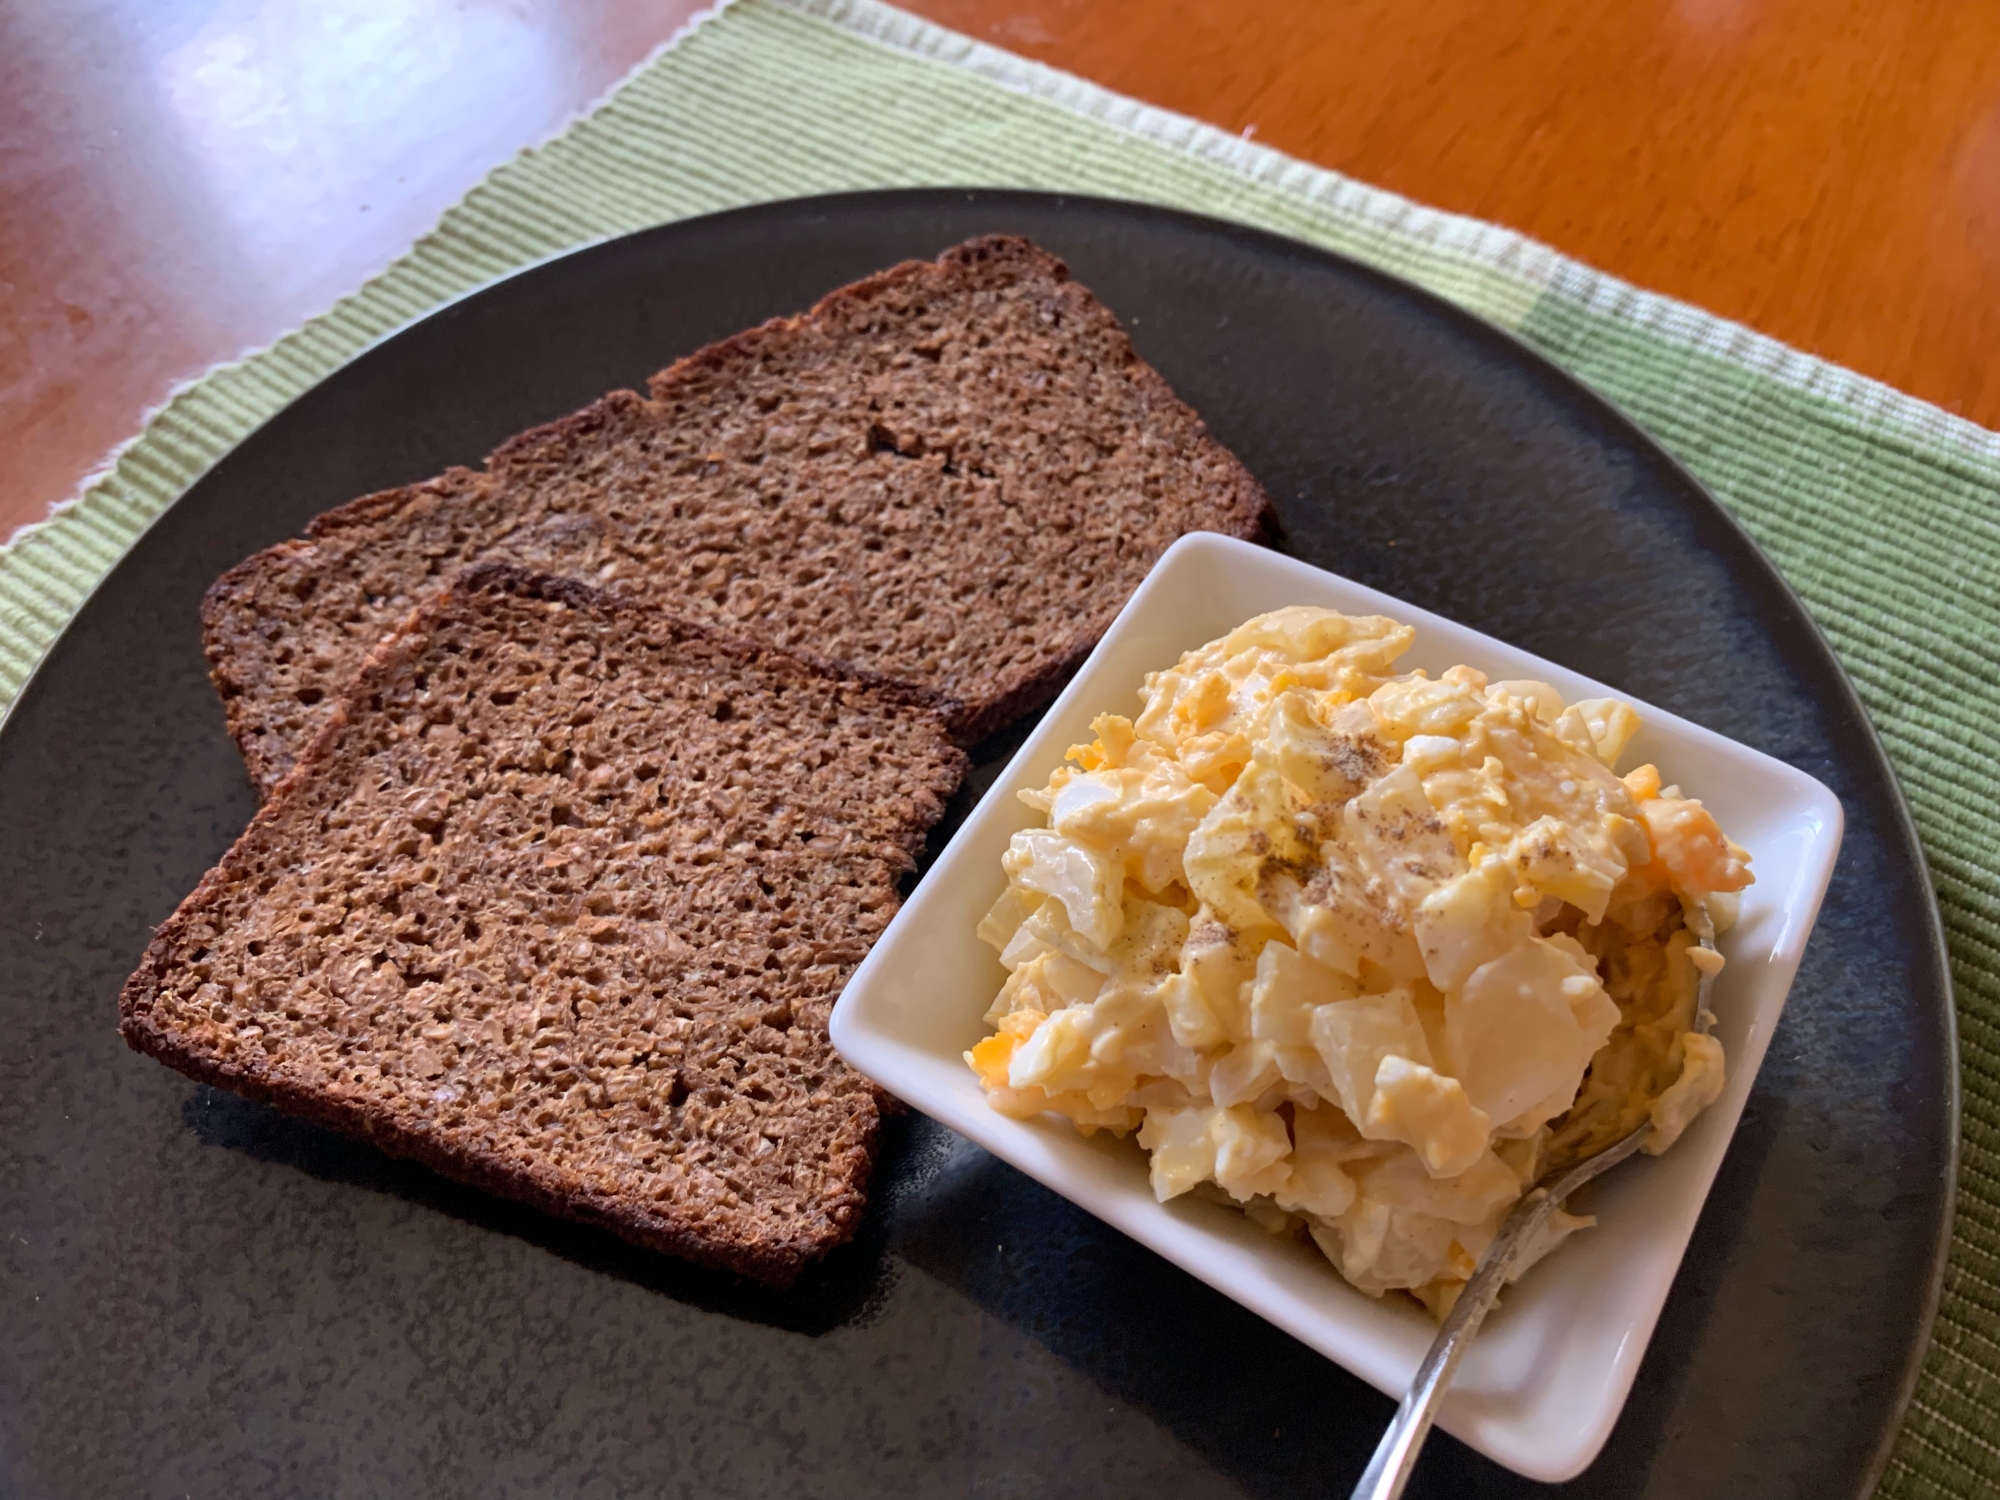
1542 1386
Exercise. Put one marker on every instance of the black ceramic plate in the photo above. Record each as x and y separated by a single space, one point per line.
202 1297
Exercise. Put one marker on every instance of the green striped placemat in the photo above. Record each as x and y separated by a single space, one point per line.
1883 511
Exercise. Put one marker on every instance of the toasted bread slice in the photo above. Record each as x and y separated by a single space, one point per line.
952 473
558 902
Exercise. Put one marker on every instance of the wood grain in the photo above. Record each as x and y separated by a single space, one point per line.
1827 171
183 180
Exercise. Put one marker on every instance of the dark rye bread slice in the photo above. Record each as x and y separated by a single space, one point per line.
558 903
952 473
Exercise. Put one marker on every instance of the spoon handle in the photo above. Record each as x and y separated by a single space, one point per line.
1396 1455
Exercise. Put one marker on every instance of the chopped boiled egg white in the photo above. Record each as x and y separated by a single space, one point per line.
1361 952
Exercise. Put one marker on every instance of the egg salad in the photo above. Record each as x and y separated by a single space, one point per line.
1366 953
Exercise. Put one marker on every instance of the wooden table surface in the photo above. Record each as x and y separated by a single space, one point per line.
184 180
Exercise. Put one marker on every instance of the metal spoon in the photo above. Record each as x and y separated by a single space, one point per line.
1396 1455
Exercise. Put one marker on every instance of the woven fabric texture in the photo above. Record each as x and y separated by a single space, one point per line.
1883 512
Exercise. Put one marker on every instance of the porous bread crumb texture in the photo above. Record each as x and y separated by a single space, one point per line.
558 902
953 473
